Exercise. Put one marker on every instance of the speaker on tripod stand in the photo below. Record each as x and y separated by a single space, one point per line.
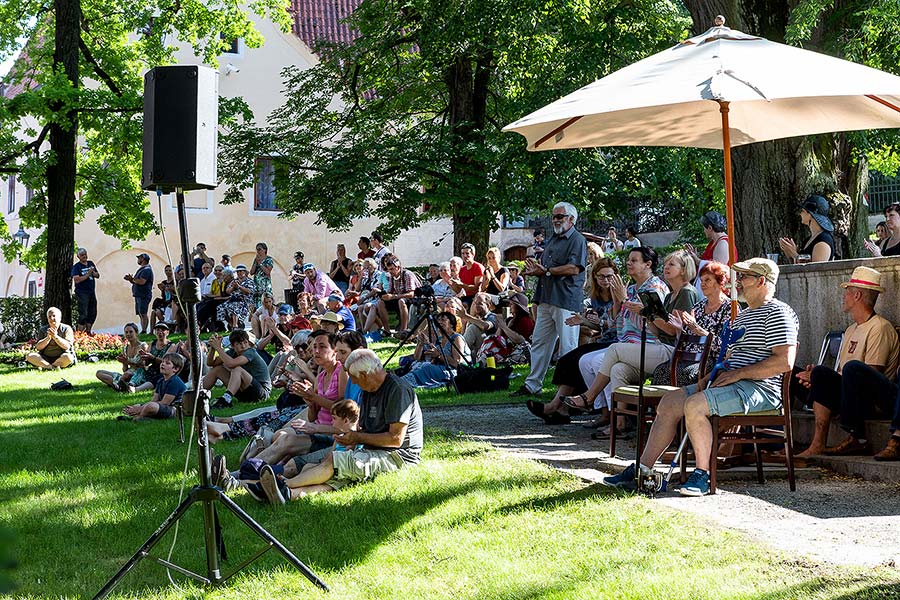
180 132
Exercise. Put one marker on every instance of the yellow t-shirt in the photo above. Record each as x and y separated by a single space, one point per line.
874 342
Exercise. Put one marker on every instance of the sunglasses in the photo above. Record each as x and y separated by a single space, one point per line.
742 276
557 217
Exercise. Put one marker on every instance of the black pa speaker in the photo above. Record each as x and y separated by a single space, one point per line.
181 117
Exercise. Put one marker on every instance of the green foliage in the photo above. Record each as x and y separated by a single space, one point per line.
21 317
119 41
409 116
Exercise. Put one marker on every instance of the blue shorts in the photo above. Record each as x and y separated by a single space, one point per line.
141 305
742 397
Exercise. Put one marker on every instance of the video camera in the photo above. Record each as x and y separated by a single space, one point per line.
653 306
423 296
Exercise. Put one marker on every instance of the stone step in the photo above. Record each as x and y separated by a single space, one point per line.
803 423
860 466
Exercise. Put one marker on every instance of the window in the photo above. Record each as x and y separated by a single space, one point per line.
29 193
11 191
232 46
32 289
264 188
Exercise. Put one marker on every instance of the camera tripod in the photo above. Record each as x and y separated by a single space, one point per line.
428 308
206 494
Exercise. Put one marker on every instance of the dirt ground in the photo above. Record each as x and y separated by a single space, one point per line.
833 519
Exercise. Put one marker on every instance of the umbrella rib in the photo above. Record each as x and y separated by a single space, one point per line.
556 131
883 102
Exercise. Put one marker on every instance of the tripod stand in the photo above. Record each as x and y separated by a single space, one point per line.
429 303
205 494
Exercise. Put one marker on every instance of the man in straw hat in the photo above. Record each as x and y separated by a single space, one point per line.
751 382
869 348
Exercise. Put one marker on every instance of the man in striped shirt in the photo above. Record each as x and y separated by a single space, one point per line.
751 382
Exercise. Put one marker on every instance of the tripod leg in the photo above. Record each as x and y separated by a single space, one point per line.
268 537
148 545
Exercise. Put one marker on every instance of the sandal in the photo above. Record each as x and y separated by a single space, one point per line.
573 402
536 408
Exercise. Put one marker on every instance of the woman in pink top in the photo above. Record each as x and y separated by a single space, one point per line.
330 384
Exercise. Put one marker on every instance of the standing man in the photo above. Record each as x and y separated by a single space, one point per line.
870 339
559 294
142 288
84 274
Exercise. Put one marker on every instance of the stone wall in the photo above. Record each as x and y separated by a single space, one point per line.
814 292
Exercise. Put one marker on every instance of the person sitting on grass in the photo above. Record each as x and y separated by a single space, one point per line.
436 366
240 368
169 389
390 433
56 348
132 362
266 311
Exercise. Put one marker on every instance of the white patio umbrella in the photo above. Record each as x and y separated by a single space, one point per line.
720 89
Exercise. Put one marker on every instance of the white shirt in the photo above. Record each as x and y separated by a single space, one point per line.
206 284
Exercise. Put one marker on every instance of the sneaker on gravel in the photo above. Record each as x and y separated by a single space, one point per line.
624 480
276 490
696 485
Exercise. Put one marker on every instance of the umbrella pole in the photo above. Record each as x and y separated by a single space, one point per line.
729 199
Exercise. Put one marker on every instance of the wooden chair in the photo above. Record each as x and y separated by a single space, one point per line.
756 428
625 398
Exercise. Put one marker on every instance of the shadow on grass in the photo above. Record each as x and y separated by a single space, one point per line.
820 587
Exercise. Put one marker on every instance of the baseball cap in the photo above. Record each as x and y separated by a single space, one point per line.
144 255
335 298
758 266
308 266
285 309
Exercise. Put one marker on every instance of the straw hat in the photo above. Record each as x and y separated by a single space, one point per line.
865 279
332 317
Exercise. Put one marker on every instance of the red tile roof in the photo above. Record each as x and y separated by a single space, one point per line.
318 21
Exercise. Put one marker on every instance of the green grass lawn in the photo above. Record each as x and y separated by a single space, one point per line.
80 492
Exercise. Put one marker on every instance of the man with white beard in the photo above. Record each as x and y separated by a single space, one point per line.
558 296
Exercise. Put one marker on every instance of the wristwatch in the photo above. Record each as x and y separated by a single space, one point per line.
547 272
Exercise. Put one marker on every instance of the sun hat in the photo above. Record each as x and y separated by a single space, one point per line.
241 267
758 266
865 279
331 317
161 325
817 206
520 300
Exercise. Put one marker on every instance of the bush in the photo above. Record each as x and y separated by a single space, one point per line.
21 317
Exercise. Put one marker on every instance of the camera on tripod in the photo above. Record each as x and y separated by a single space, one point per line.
423 296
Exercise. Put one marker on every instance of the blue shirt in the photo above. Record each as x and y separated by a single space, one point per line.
88 285
145 290
567 292
173 386
347 316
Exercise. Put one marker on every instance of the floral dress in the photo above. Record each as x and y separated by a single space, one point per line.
687 373
262 281
135 365
238 303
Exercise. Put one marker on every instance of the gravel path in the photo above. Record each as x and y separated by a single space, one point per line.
829 518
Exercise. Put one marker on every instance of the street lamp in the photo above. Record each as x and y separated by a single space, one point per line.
22 237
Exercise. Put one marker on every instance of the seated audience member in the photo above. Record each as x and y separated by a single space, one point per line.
537 244
442 288
707 317
435 366
168 390
891 450
305 306
496 278
594 253
207 279
890 245
820 246
340 269
56 347
516 281
354 286
277 332
509 341
267 310
319 286
331 322
610 242
161 309
389 436
184 349
132 363
568 376
479 322
177 318
335 304
433 273
471 273
751 383
240 368
198 259
871 340
226 264
206 308
620 363
631 240
402 284
152 358
881 232
236 309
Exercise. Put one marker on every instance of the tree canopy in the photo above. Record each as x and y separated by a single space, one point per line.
404 124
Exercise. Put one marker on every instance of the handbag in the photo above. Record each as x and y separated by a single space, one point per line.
481 379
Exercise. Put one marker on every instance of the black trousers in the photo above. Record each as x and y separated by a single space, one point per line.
866 394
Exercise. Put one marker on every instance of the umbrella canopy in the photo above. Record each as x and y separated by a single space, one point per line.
673 98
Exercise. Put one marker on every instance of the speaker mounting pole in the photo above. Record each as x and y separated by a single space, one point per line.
206 494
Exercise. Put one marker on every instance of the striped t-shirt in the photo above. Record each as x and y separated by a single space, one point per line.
770 325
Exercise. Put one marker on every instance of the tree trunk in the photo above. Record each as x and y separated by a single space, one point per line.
61 171
770 178
467 84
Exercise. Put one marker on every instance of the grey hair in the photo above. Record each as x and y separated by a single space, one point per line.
53 309
570 210
444 265
363 361
770 287
456 259
80 252
371 263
